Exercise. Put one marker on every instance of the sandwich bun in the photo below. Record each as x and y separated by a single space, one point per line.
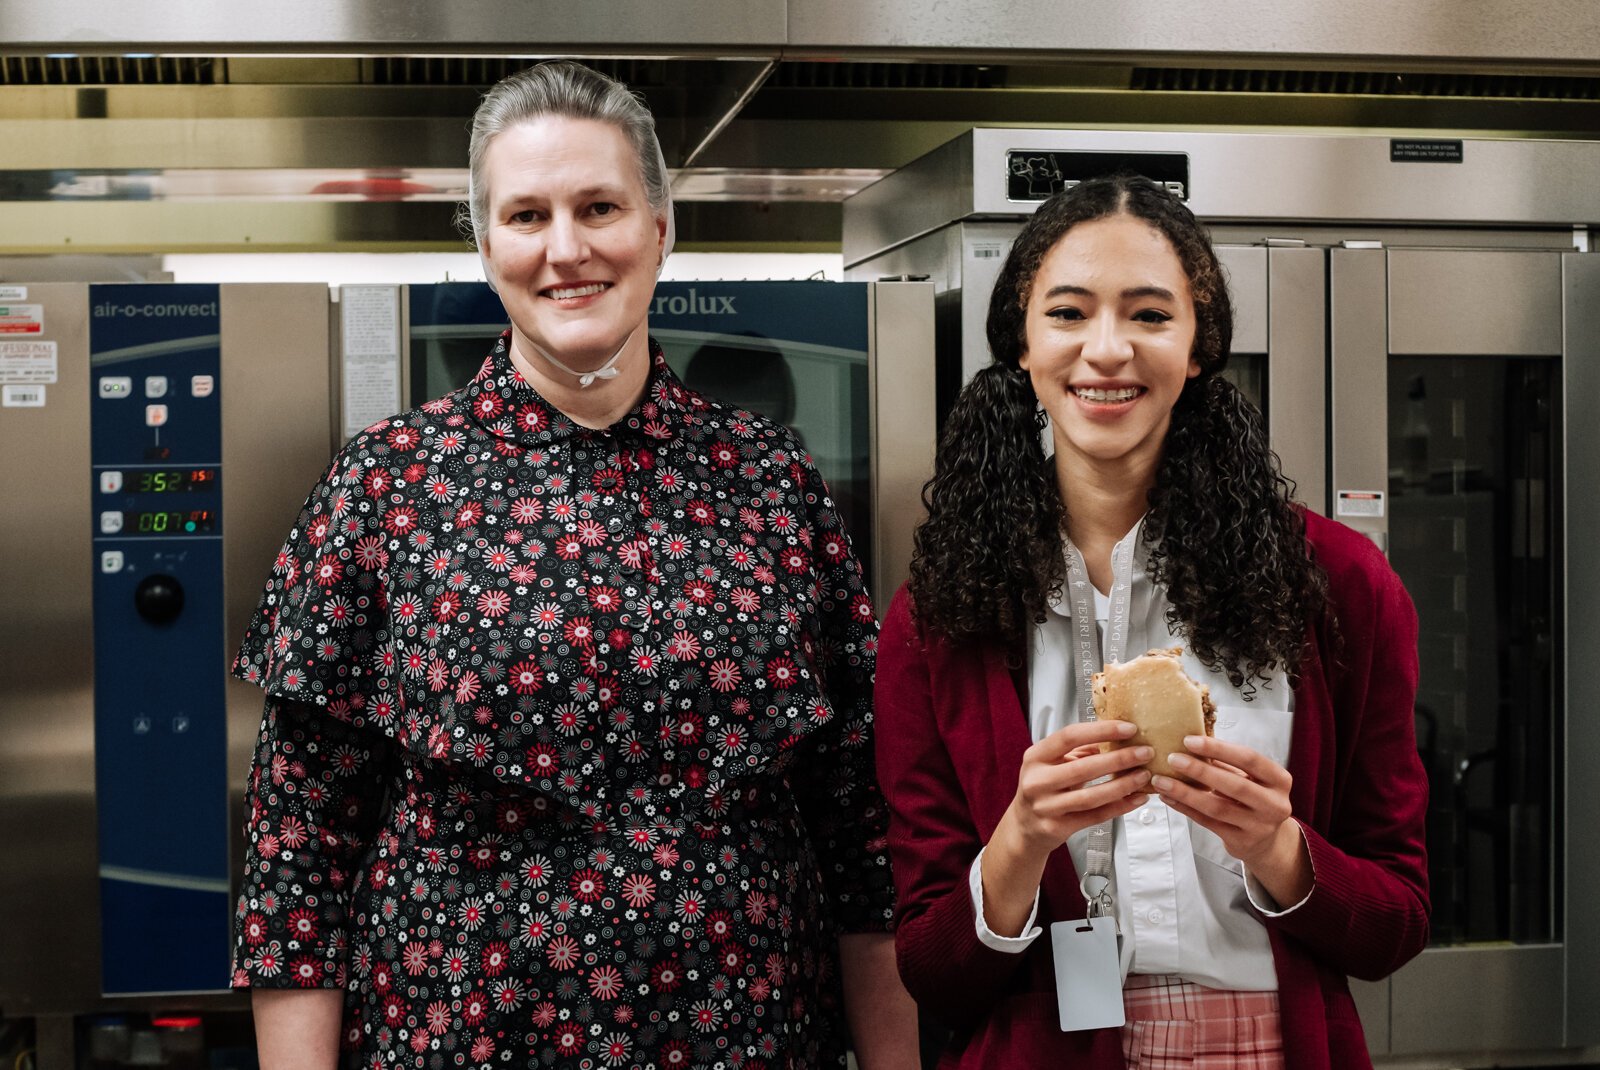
1154 693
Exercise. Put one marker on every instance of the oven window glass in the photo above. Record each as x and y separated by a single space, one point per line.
1472 494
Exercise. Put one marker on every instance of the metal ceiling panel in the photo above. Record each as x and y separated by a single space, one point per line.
1485 34
749 28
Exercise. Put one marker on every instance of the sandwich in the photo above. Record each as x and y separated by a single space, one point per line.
1154 693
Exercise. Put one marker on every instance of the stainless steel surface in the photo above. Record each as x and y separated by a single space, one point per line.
1296 308
367 226
1359 444
1442 303
1580 289
277 441
1479 999
1496 33
1246 270
902 426
1372 1004
1472 1004
49 886
1260 177
489 27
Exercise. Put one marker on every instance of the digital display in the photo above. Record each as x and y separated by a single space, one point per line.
172 480
169 522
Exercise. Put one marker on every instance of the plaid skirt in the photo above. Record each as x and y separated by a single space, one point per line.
1174 1024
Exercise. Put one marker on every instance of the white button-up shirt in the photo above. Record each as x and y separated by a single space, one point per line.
1184 905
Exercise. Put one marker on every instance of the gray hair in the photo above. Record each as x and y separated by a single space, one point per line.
572 91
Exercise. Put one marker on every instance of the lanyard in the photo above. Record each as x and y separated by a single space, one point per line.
1089 660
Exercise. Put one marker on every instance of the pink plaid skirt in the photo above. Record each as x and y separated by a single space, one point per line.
1178 1025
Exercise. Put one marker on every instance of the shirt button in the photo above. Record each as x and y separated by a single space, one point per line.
1147 816
1156 916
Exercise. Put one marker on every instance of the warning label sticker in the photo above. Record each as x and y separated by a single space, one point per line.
21 319
1359 503
27 362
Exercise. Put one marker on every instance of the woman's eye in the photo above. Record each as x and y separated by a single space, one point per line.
1068 313
526 216
1152 315
603 208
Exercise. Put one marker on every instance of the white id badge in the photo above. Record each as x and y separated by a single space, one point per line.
1088 974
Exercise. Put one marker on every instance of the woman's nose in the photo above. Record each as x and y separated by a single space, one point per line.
1107 342
564 241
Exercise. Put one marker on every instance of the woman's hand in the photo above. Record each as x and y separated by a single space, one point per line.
1243 797
1055 798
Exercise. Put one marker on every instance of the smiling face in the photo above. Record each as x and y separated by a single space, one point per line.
1109 331
571 240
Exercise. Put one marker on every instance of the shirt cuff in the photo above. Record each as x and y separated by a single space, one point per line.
989 938
1260 897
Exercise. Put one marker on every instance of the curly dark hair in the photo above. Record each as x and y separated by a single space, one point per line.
1224 538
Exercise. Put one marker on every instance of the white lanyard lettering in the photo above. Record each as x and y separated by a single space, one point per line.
1090 660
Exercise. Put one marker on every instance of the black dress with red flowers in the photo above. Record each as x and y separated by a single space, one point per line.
566 759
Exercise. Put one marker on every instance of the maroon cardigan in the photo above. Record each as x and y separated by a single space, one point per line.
951 732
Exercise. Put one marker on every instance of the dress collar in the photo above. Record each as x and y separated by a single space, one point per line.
504 404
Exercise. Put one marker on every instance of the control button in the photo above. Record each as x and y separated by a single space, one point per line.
110 482
201 386
110 523
116 386
155 415
159 599
155 386
110 560
141 725
180 724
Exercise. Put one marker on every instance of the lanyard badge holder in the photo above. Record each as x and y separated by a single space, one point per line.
1087 961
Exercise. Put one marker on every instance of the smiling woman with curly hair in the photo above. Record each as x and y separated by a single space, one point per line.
1290 854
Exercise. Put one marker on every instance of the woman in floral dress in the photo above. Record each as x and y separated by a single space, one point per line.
567 759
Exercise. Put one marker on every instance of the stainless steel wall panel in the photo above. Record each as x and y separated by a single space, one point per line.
1580 287
900 387
1454 303
1482 999
487 27
1359 379
49 884
277 441
1497 32
1246 271
1297 369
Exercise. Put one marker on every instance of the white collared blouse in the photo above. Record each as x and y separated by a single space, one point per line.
1184 906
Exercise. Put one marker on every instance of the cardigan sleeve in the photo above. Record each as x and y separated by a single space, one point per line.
932 838
1367 914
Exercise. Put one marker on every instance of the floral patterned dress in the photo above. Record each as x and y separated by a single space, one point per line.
566 759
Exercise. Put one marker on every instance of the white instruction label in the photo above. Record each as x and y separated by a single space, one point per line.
370 354
1359 503
27 362
13 293
22 397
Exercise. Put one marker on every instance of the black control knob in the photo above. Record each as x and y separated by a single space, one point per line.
159 598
